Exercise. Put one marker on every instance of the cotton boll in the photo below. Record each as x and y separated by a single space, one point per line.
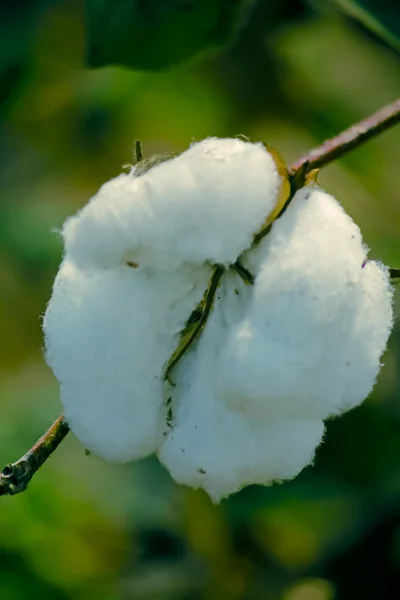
108 337
246 403
318 321
204 205
219 449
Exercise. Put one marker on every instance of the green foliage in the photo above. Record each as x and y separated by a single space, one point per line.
17 25
382 17
158 33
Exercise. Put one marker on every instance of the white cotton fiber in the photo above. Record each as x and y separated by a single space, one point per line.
204 205
219 449
318 321
108 335
246 402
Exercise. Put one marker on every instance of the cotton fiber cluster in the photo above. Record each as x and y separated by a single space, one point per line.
137 261
303 344
109 333
204 205
247 402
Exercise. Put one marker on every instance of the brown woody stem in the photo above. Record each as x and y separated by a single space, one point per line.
15 477
342 143
305 168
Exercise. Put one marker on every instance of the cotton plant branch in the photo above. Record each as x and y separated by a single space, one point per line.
333 149
349 139
15 477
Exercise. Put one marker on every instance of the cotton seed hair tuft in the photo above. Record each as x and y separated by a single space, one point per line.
246 401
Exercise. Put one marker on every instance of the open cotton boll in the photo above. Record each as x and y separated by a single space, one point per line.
318 321
217 448
108 336
204 205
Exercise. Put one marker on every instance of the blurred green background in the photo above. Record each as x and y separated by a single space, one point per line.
296 73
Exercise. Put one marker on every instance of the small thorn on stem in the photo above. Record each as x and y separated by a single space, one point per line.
138 151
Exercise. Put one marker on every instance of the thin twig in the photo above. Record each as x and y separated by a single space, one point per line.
348 140
15 477
306 167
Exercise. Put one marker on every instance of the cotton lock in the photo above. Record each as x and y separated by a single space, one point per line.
246 402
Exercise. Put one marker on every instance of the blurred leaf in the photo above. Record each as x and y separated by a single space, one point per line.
381 17
17 25
26 232
156 34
